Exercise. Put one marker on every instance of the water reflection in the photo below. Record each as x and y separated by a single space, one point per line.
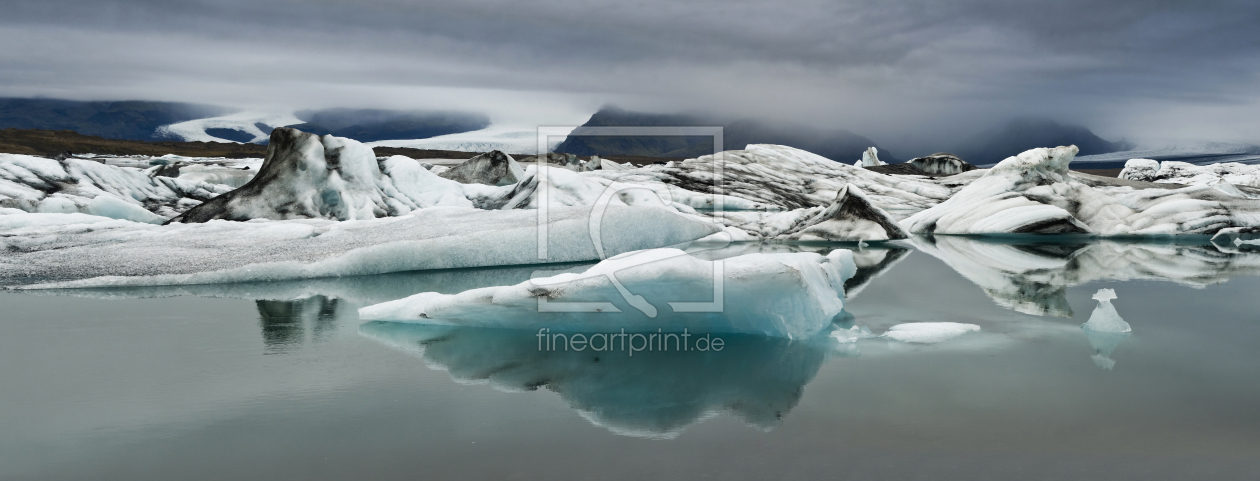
285 323
1031 276
652 394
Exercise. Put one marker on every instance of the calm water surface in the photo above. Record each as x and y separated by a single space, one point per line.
214 383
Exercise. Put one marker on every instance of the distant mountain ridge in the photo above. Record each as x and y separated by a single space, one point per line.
1023 134
127 120
836 144
144 120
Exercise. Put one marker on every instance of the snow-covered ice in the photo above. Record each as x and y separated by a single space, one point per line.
37 184
783 178
123 253
784 295
1034 193
1174 172
851 217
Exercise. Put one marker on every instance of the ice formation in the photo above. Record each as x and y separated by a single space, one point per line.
783 178
37 184
850 218
928 332
941 163
651 395
1105 329
307 176
870 158
122 253
1173 172
1105 318
1033 193
491 168
783 295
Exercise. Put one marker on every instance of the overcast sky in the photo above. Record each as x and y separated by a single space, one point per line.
914 72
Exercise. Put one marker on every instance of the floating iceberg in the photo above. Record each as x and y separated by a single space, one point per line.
1033 193
851 217
491 168
306 176
870 158
941 163
783 178
928 332
37 184
785 295
1105 329
121 253
1173 172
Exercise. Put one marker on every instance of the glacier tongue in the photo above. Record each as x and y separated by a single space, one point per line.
785 295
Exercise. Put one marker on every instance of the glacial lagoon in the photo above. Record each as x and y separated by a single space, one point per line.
285 381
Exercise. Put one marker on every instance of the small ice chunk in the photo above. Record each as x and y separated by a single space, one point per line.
928 332
106 205
1105 318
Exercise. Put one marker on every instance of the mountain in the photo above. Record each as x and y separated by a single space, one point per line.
836 144
366 125
1022 134
130 120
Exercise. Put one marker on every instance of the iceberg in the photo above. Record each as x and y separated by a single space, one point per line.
784 295
491 168
870 158
928 332
37 184
1033 193
123 253
941 163
1174 172
851 217
306 176
776 177
1105 329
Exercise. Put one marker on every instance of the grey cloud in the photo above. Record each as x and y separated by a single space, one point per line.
915 71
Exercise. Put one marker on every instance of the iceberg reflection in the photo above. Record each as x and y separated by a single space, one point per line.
1031 275
652 394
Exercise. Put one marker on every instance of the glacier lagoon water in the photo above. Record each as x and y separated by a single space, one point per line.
217 382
